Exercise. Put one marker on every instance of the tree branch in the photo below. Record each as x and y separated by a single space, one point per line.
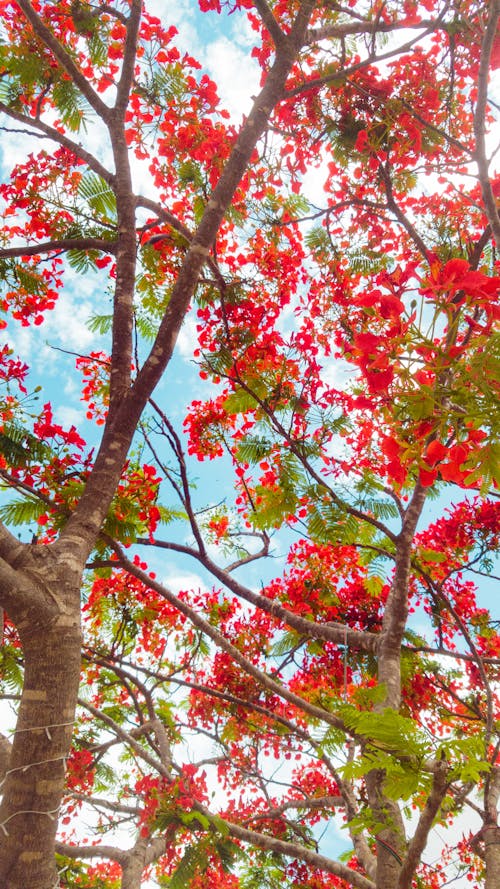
268 20
64 59
343 74
295 850
264 680
339 31
127 738
490 203
129 56
63 244
87 518
113 853
396 608
49 132
359 640
419 840
400 216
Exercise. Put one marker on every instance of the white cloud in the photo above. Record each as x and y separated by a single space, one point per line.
236 74
338 373
68 416
182 15
64 328
313 185
187 340
182 581
67 324
242 31
16 148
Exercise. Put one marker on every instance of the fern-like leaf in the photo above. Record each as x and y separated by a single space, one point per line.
98 195
21 512
195 859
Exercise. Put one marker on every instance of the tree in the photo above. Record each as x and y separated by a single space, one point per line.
349 357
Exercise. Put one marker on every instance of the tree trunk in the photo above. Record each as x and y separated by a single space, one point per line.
491 835
390 838
133 869
48 621
491 831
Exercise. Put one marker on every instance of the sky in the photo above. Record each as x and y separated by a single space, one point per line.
221 44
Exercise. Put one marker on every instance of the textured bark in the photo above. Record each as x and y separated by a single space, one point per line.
492 856
391 839
49 628
133 869
396 609
491 830
5 752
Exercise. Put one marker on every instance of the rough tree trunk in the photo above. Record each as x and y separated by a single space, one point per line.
48 621
391 838
491 830
492 856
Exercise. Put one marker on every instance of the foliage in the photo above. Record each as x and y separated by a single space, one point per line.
332 672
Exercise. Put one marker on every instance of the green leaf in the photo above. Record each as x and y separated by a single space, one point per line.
318 239
219 825
195 819
402 783
466 756
98 49
82 260
98 195
238 402
19 446
374 585
285 643
146 326
105 776
100 324
195 859
252 449
379 507
332 741
121 529
68 101
387 730
190 172
21 512
29 279
430 555
228 853
11 672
